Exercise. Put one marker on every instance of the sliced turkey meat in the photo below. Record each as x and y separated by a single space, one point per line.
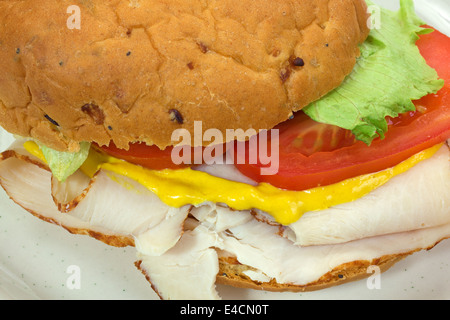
188 270
192 263
260 246
418 198
114 209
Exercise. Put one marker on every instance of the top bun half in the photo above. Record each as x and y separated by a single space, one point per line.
137 70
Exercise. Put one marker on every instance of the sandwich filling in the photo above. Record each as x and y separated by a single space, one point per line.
178 188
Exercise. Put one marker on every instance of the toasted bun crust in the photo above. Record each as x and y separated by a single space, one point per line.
232 274
138 70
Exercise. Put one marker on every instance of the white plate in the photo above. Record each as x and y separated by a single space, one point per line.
35 256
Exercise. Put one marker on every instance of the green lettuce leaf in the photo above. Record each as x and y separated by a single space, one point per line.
388 75
64 164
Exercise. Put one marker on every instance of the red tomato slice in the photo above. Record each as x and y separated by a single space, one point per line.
435 48
313 154
154 158
147 156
